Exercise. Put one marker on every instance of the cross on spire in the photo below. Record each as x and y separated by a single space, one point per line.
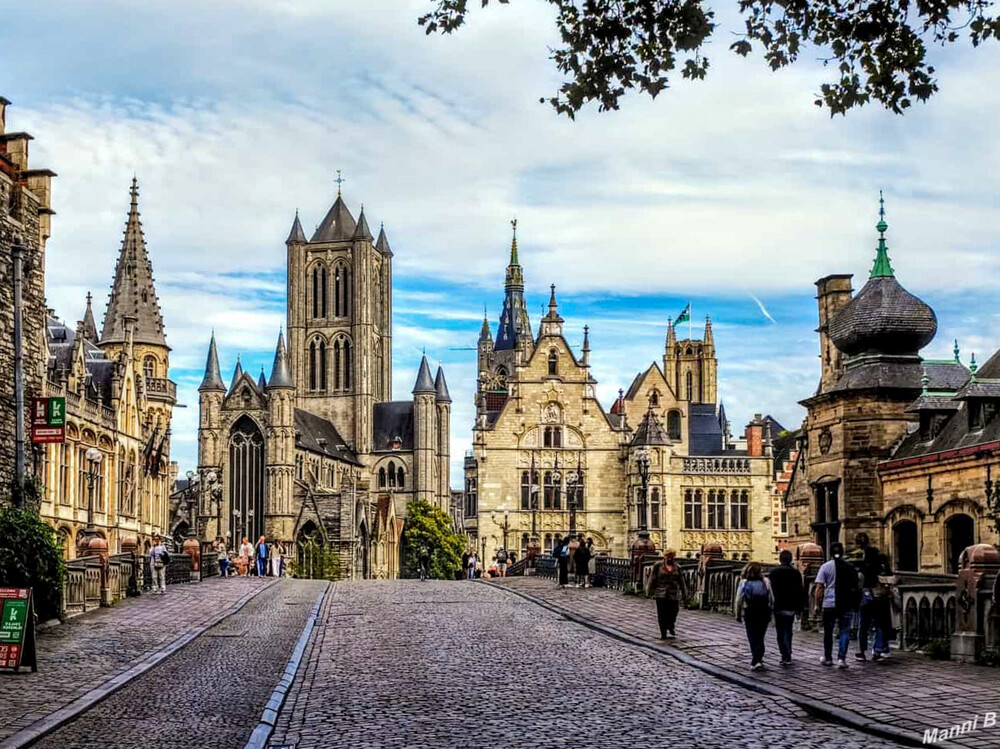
340 180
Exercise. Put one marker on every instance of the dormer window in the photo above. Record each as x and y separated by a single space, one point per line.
654 398
981 412
553 362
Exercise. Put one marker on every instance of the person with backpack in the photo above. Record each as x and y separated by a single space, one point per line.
837 593
789 599
666 586
159 558
563 560
501 562
754 603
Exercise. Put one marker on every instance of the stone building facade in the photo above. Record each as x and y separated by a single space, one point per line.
548 460
318 452
853 473
119 399
25 219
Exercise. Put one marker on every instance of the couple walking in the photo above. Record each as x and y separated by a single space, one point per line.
780 594
573 553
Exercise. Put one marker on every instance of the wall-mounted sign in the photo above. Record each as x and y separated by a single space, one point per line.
48 420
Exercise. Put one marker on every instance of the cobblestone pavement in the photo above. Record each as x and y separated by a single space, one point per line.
86 651
455 664
909 691
211 693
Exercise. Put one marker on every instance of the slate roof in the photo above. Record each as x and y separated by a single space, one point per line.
391 420
312 431
338 224
979 389
704 430
296 234
948 375
213 376
933 403
382 244
954 435
883 317
61 340
361 231
424 383
650 431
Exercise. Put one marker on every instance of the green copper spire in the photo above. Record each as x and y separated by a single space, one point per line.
972 368
925 383
513 244
957 360
881 268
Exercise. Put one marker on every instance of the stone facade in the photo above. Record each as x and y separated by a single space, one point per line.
548 460
25 219
849 476
319 452
119 399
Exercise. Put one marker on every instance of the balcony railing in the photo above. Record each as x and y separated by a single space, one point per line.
160 388
717 465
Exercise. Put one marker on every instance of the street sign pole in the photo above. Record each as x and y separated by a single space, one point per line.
17 253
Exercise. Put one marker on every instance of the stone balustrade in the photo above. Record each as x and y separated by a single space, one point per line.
717 465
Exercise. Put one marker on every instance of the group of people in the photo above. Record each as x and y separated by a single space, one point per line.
501 562
262 559
575 555
842 591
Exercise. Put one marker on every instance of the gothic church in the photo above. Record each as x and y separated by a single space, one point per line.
319 454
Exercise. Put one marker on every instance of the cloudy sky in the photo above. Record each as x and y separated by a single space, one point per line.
735 193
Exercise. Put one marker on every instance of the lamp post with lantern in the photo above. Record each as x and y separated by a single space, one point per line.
94 458
643 544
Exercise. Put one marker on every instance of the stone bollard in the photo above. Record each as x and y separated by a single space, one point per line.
98 547
980 564
709 551
192 548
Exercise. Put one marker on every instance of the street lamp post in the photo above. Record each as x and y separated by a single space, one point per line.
642 464
94 458
643 544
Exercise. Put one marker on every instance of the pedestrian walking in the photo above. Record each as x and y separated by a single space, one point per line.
465 565
472 566
871 565
223 554
564 559
837 592
581 563
425 563
789 599
754 603
592 564
666 586
260 556
274 557
159 558
884 633
246 553
573 544
502 562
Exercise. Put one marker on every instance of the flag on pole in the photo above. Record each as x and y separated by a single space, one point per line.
684 316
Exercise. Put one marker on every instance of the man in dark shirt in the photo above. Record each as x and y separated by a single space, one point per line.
789 599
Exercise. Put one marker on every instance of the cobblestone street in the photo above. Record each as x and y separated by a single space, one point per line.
443 664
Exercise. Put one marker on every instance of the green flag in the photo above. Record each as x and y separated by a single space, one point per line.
684 316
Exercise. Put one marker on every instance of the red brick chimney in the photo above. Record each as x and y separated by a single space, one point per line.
755 437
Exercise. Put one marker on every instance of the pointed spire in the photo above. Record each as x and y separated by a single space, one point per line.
957 359
881 268
281 376
441 387
553 307
382 244
296 235
671 344
585 359
650 431
337 225
925 383
513 243
237 374
213 377
485 336
362 232
261 380
133 293
424 383
709 338
972 368
89 326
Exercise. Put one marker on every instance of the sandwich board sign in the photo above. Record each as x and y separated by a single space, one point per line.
17 630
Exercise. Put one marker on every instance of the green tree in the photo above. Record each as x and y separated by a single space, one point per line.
876 48
30 556
428 527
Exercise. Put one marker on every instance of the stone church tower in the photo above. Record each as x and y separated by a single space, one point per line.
318 454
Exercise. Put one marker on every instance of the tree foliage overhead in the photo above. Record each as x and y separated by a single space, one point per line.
876 48
428 527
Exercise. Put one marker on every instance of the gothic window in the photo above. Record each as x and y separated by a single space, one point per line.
716 509
337 361
739 510
400 476
552 437
312 365
692 509
392 474
827 525
689 351
654 507
654 399
689 385
548 491
324 285
381 477
471 497
548 544
553 362
322 366
246 480
674 425
347 365
525 490
148 367
315 291
341 291
574 493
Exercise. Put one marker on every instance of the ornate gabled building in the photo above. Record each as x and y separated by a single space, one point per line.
864 411
548 460
119 400
319 453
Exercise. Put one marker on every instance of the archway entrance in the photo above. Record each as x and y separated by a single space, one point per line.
246 482
905 551
960 533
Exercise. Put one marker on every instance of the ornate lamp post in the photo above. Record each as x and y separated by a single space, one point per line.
643 544
94 458
506 524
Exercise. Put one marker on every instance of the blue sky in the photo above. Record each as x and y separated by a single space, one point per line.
235 114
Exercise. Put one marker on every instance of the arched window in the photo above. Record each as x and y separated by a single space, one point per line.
149 367
315 291
392 473
654 507
548 491
905 550
337 363
381 477
960 533
312 365
552 437
347 365
525 490
548 543
690 351
324 285
575 492
322 366
553 362
341 291
654 399
400 476
689 385
674 425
